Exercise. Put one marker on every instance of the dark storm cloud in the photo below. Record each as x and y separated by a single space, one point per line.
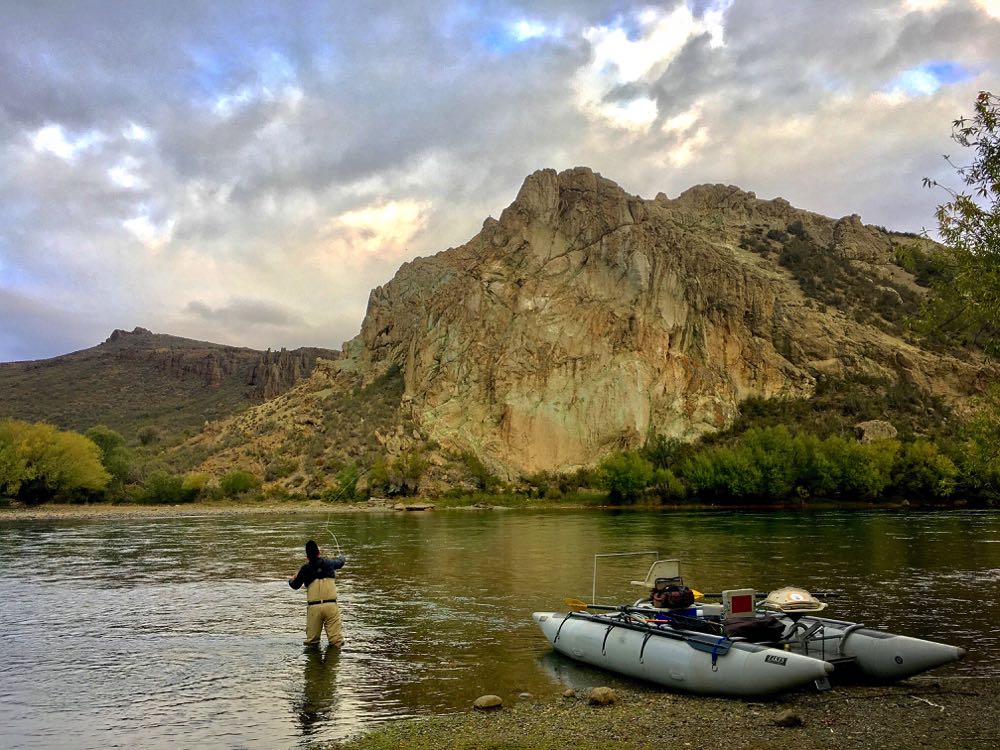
245 312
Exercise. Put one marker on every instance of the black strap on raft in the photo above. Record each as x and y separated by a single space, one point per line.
645 640
559 629
605 643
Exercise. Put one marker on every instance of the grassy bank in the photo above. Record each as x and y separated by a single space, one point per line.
936 713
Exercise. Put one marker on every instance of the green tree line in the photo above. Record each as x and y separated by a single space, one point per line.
779 463
40 463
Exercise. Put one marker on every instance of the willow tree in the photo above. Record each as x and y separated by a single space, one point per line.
964 303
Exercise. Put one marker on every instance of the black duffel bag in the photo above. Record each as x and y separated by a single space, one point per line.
755 629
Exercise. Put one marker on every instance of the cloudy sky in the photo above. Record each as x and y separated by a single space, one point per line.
245 172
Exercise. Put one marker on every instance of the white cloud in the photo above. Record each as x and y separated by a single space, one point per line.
619 58
135 132
154 236
989 7
526 29
53 139
684 121
123 174
688 148
924 6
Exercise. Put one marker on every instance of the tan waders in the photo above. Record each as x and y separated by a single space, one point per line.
322 612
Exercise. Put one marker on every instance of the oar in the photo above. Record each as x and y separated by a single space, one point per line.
763 595
578 605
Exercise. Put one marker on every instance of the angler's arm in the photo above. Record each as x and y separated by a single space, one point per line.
296 583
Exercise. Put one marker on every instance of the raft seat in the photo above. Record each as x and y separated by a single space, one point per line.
669 569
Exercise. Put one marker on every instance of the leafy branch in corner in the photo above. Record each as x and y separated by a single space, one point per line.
965 301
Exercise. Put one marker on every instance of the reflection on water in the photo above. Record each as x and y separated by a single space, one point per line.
183 632
316 704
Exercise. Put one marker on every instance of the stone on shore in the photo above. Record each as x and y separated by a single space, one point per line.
488 703
602 696
788 718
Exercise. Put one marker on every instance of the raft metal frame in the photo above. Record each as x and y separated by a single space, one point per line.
593 587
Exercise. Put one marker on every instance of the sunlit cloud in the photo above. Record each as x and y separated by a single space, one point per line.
382 229
688 148
924 6
52 139
124 174
989 7
154 236
135 132
683 121
525 29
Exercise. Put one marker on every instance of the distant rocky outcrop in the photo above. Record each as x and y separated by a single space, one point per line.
138 378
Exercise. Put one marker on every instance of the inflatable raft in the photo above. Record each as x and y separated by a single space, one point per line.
738 647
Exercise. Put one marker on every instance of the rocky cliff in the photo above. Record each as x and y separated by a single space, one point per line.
586 318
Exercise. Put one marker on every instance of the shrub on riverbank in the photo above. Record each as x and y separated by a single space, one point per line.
39 462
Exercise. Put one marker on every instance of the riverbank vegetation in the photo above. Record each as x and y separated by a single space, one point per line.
778 451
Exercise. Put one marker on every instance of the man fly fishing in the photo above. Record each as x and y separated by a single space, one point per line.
322 612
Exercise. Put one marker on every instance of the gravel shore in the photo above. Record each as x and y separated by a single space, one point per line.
945 713
49 512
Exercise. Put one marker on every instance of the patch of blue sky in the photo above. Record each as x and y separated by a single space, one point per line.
510 37
925 79
226 84
632 25
948 72
17 279
211 72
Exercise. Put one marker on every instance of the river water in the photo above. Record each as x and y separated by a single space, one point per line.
182 631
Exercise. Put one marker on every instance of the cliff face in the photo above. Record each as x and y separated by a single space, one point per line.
275 372
586 318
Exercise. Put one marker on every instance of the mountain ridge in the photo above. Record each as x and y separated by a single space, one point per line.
137 379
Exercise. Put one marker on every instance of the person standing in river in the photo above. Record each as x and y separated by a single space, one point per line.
322 612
